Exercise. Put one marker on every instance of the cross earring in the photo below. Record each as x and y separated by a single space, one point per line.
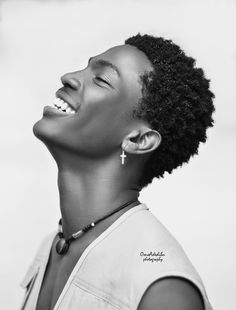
123 157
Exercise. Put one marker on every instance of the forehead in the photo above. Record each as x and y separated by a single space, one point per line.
128 59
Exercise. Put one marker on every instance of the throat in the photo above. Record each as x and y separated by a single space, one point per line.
85 198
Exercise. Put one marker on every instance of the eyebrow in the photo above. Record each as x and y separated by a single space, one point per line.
104 63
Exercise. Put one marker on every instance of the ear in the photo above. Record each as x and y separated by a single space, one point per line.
141 141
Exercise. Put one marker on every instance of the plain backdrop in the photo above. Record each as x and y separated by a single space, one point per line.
40 41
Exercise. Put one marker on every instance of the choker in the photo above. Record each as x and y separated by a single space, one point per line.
63 244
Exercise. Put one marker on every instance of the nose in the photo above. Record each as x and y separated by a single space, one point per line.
70 80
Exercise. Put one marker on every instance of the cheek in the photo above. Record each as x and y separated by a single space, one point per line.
102 105
100 126
101 120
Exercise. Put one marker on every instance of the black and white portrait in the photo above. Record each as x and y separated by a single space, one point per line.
118 154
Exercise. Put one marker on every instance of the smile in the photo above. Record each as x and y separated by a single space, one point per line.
63 106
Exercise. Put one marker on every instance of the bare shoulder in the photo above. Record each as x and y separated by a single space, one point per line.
172 293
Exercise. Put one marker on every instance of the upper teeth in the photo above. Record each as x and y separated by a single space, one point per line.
63 106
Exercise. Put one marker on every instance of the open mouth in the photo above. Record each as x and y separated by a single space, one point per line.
63 106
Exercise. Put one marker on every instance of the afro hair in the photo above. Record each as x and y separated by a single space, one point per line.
176 101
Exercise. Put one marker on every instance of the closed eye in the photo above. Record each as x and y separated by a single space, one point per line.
100 79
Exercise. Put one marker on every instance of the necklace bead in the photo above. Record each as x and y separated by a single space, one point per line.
62 246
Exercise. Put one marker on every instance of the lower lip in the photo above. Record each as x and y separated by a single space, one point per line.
50 111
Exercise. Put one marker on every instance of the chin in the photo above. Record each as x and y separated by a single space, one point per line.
38 129
43 131
51 135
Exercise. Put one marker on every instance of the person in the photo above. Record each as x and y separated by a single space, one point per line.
136 111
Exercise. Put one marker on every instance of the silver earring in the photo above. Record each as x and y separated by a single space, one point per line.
123 157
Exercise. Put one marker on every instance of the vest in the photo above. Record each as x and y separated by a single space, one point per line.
115 269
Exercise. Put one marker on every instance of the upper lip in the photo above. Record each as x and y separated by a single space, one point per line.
62 94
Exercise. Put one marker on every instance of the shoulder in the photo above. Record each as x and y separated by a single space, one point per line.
172 293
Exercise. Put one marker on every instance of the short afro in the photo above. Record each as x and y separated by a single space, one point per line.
176 101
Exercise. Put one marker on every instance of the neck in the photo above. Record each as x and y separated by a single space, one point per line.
87 195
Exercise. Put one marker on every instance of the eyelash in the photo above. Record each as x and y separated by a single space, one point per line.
100 79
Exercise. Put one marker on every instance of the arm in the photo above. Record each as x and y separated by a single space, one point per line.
171 294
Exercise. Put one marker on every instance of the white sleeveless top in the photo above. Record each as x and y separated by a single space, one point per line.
115 269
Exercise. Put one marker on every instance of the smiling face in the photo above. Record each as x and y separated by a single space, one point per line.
101 95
